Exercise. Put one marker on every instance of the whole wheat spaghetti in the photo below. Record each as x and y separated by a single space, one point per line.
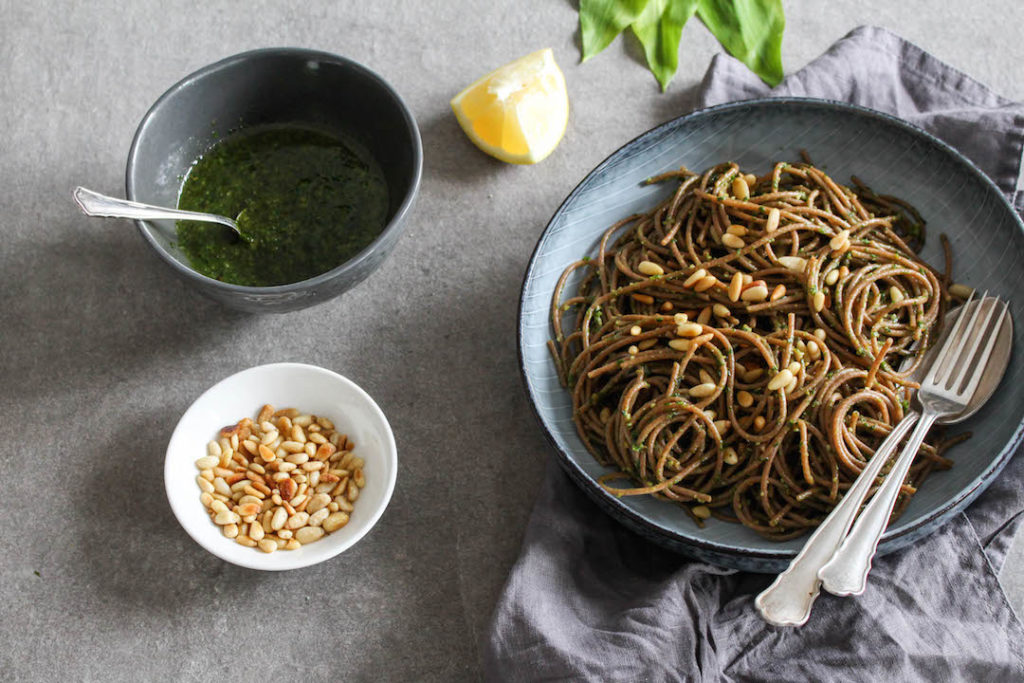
740 348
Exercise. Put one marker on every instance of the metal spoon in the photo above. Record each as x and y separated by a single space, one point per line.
96 204
788 601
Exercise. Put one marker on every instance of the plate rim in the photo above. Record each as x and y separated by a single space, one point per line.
892 540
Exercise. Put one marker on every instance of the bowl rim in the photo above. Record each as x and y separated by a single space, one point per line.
893 539
393 226
284 561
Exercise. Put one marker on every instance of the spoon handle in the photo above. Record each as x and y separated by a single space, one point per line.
788 601
96 204
847 572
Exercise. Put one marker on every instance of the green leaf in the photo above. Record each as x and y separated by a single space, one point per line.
602 20
751 30
658 28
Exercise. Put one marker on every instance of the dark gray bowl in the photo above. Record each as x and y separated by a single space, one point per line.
275 85
891 156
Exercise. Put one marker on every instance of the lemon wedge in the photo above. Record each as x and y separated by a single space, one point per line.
517 113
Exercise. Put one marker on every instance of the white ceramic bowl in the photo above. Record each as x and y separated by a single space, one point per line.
309 389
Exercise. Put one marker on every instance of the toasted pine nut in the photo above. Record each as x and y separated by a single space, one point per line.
218 506
635 330
813 351
696 277
733 241
778 293
249 509
844 271
832 277
297 521
229 530
895 294
667 306
643 298
267 454
679 344
267 545
243 539
701 511
840 240
650 268
679 318
318 502
226 517
689 330
755 293
751 376
959 291
820 333
721 310
772 223
705 284
703 390
818 301
795 367
318 517
729 456
285 533
279 518
740 189
722 426
794 263
737 230
780 380
302 420
633 350
335 521
745 398
309 534
758 423
706 377
735 286
705 316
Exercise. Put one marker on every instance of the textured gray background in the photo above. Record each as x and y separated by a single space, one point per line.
102 349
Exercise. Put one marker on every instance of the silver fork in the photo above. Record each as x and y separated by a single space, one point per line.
946 390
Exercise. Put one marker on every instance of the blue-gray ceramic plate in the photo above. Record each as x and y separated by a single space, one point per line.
889 155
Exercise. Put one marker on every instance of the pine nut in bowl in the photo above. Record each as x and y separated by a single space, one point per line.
280 466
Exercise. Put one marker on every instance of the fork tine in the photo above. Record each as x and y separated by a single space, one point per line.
974 337
950 347
968 392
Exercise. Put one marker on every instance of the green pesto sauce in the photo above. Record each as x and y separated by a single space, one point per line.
305 203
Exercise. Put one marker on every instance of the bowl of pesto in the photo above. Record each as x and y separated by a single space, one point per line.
315 156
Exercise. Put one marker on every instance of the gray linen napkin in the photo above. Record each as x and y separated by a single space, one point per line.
588 600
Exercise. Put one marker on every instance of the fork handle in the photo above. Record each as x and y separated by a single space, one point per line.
788 601
847 572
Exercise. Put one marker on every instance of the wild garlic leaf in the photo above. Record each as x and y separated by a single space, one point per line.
658 28
751 30
602 20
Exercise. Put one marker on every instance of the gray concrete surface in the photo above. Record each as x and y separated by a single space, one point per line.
102 349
